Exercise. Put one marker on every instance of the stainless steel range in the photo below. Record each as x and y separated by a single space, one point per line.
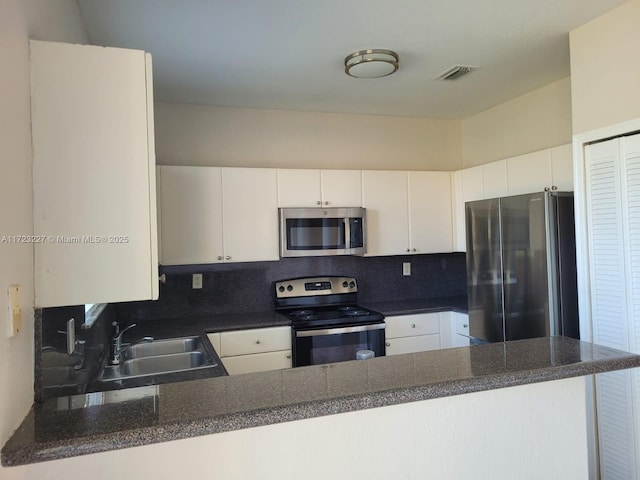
328 325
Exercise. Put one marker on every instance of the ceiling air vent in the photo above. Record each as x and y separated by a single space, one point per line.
455 72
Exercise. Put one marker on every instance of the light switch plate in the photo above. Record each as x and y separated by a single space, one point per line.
406 269
15 309
196 280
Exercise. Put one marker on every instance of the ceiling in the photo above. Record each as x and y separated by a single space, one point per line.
289 54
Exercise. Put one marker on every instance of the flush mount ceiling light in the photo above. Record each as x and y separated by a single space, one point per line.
373 63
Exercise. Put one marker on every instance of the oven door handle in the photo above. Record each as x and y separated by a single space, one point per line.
335 331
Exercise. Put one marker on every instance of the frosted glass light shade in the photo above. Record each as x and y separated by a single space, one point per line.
374 63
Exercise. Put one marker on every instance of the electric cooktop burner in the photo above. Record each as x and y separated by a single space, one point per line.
322 301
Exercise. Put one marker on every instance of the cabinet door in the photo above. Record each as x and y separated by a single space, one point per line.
299 188
420 343
430 216
259 362
472 184
190 214
616 392
529 173
494 179
341 188
93 175
384 195
250 214
562 167
461 330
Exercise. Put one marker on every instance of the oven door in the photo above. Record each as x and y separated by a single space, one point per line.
330 345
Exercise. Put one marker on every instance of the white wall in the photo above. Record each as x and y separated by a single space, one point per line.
534 121
202 135
528 432
17 19
605 69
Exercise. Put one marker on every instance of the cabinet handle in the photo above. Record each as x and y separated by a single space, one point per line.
318 202
408 250
227 257
257 342
387 344
326 203
465 325
219 257
413 325
288 356
413 250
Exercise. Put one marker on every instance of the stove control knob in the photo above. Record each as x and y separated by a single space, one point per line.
289 288
281 289
352 284
345 284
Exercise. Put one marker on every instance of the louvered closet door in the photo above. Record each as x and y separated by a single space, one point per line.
630 153
605 223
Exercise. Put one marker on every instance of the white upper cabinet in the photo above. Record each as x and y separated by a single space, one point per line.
250 214
384 195
407 212
562 167
459 239
472 185
341 188
529 173
299 188
430 215
190 214
213 214
319 188
494 179
93 175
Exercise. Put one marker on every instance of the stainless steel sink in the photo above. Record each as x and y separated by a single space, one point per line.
175 362
159 357
162 347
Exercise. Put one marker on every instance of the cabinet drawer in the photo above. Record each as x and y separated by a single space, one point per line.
462 324
259 340
411 325
258 362
420 343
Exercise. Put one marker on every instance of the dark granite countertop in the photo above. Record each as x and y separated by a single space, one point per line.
422 305
61 428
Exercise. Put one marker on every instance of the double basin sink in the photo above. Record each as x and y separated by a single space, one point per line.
158 357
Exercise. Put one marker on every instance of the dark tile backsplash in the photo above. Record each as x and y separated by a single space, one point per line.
248 287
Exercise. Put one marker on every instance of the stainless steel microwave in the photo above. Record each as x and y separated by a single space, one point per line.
308 232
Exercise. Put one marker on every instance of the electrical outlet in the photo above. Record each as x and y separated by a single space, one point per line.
196 280
406 269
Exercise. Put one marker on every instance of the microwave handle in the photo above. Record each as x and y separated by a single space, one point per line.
347 232
335 331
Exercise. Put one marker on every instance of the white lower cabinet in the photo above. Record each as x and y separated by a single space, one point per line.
412 333
254 350
460 337
426 331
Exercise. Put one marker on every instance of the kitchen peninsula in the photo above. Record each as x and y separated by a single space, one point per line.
439 390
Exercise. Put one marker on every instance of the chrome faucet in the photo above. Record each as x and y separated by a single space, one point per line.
116 342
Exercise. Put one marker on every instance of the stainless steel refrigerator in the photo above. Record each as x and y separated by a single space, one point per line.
521 267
